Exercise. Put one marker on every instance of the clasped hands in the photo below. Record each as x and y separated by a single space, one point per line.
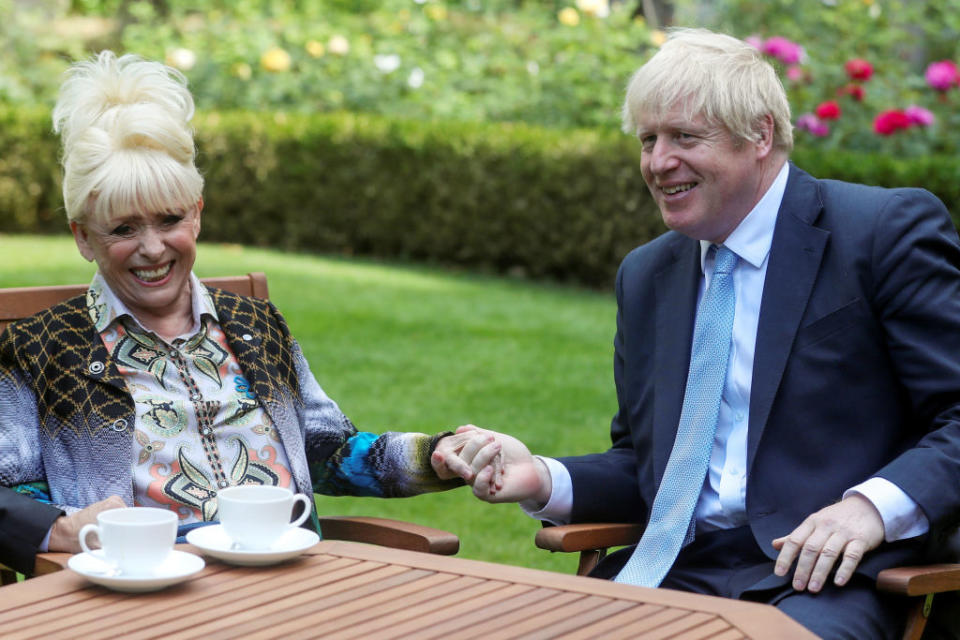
500 468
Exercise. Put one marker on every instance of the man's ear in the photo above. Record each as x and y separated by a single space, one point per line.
80 237
764 142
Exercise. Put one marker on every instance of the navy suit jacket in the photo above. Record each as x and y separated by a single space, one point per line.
856 370
24 523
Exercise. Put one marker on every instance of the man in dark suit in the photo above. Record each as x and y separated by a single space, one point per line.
831 446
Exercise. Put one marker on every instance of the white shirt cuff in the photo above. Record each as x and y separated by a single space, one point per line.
45 545
558 507
902 517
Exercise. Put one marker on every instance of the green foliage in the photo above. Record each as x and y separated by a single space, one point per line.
471 60
419 349
563 205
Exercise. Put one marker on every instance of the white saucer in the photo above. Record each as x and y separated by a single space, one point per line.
179 566
215 542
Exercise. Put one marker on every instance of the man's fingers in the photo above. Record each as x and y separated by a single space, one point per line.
790 546
825 562
852 556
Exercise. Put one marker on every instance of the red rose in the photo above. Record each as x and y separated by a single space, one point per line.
828 110
889 122
854 90
859 69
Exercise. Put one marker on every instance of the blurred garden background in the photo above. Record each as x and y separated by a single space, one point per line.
439 190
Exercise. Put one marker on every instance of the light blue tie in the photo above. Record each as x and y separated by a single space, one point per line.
671 524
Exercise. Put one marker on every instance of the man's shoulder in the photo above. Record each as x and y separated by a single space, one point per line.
853 197
659 252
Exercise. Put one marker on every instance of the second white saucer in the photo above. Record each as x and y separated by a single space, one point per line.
215 542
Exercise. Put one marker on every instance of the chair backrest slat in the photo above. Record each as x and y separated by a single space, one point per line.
17 303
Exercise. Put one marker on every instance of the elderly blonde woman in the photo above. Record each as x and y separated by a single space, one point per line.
152 389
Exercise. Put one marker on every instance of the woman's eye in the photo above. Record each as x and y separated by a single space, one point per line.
122 230
171 219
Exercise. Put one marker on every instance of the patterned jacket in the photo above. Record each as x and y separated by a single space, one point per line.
66 415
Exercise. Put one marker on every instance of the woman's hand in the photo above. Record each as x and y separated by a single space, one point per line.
66 529
499 467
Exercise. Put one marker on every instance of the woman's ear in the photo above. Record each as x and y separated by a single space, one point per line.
83 242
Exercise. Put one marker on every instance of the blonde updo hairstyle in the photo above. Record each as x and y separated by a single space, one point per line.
721 78
127 142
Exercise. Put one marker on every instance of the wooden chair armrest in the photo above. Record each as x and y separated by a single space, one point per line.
50 562
587 537
389 533
920 581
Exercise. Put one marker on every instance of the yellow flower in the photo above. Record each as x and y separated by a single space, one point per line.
181 58
658 37
315 49
569 17
338 45
242 70
436 12
276 60
595 8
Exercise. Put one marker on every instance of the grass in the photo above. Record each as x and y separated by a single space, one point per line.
411 348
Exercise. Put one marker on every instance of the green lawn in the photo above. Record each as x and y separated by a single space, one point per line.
413 348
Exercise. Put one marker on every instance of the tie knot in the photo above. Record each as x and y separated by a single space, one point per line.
724 261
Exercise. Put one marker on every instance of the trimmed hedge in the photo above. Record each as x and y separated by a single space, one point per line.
564 205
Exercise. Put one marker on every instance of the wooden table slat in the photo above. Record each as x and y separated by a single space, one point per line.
687 622
707 631
455 627
250 601
320 619
496 626
583 621
412 606
601 628
329 602
488 602
732 634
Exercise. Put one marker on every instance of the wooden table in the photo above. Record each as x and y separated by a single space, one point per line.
350 590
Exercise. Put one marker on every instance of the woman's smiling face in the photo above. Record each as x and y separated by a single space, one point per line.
145 258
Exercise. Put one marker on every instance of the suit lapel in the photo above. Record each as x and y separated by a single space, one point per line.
676 300
795 257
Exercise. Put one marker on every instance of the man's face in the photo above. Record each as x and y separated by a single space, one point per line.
704 182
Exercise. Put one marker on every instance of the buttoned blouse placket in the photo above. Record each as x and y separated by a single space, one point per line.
206 411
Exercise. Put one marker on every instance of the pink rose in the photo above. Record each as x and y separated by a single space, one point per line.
919 115
942 75
783 50
813 124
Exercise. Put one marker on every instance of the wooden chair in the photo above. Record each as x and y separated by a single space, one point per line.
22 302
920 584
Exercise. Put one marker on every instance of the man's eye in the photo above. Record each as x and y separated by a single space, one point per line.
648 141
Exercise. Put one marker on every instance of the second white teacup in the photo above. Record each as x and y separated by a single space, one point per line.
135 540
255 516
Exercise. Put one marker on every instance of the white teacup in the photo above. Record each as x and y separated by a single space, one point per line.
135 540
255 516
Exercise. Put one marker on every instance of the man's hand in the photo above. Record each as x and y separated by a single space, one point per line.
849 528
65 529
498 467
